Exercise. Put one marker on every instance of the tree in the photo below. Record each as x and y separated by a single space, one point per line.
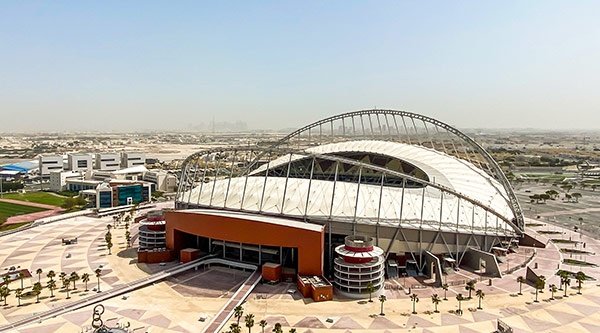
435 300
445 287
470 287
415 299
98 272
249 319
262 324
480 294
277 328
382 299
21 277
520 280
51 274
238 312
5 292
552 193
543 279
566 283
576 196
74 277
127 237
370 289
539 284
562 275
67 285
108 239
460 298
51 285
37 290
85 277
553 289
567 187
19 294
580 277
292 330
39 273
6 279
235 328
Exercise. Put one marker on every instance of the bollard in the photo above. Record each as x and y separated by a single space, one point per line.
490 282
536 265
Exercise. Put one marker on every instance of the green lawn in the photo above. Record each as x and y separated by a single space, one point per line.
8 209
37 197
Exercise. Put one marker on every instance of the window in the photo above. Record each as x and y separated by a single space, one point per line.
82 163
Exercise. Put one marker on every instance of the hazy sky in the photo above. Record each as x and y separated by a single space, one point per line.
102 65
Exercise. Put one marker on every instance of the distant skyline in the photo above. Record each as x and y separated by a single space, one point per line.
135 65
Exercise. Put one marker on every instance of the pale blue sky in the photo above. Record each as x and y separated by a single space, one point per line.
169 65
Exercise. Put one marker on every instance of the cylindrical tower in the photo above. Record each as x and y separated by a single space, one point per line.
359 263
152 232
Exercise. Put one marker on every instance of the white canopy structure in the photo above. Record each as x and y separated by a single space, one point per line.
380 169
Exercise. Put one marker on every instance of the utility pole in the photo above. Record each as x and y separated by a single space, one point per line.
1 186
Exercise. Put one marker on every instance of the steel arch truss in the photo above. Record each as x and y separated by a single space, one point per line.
325 188
407 127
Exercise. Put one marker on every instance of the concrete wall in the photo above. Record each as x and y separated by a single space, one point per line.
473 257
437 267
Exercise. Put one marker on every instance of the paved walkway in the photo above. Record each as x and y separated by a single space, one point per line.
237 299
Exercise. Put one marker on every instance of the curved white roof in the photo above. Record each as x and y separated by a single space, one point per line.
414 207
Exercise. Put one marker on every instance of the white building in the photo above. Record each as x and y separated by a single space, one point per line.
79 162
58 179
108 161
131 159
49 163
164 181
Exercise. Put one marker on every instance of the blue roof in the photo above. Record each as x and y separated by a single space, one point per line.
20 166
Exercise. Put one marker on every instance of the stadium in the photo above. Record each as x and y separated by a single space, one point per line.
351 197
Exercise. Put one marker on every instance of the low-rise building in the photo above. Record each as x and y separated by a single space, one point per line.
49 163
58 179
108 161
132 159
76 185
164 181
79 162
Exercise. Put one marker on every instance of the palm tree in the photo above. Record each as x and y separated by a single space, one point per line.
470 287
6 279
445 287
460 298
539 284
19 294
85 277
238 312
249 319
553 289
480 294
4 291
415 299
235 328
98 272
580 277
277 328
563 275
382 299
262 325
66 286
74 278
370 289
37 290
51 285
543 279
435 300
39 273
21 277
51 274
566 282
520 280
